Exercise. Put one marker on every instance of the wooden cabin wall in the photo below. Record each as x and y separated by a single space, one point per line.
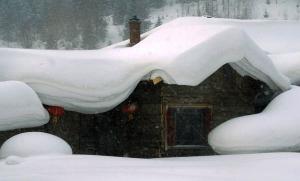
226 92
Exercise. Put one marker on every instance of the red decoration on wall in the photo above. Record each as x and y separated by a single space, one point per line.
130 109
56 111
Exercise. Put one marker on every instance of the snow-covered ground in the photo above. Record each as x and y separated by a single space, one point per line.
20 106
256 167
98 80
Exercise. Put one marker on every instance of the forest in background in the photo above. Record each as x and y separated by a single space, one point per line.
90 24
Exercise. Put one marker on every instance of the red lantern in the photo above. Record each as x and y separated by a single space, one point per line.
130 109
55 112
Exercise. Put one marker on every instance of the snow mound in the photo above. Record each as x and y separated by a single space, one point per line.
275 129
96 81
20 107
289 65
275 167
13 160
34 143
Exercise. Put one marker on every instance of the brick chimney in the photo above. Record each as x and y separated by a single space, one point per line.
134 30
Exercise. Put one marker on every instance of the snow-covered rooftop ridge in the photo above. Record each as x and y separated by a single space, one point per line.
20 107
185 52
273 36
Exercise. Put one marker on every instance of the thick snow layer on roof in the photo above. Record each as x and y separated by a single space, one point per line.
185 52
20 107
289 65
273 36
34 143
256 167
275 129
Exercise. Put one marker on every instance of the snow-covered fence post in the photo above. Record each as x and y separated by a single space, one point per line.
135 30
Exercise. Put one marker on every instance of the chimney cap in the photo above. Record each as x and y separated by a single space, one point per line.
135 18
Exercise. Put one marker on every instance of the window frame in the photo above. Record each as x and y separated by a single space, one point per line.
207 124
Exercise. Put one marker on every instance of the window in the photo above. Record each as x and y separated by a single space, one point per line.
187 126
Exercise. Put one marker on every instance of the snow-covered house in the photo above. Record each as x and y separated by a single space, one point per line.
210 70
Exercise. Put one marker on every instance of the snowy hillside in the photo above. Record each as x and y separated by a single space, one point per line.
81 24
241 9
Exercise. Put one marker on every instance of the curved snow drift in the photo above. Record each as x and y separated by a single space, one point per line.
275 129
185 52
20 107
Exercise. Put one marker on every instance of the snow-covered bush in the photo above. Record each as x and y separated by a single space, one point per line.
276 129
34 143
20 107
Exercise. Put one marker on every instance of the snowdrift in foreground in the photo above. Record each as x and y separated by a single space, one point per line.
275 129
20 107
34 143
96 81
273 167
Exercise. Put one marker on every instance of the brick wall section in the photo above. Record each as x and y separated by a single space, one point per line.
113 134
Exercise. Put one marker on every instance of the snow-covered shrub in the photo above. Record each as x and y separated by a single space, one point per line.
20 107
276 129
34 143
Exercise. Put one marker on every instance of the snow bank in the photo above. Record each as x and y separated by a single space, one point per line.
34 143
275 129
96 81
289 65
20 107
275 167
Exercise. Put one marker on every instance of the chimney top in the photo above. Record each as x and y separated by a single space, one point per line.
135 18
134 30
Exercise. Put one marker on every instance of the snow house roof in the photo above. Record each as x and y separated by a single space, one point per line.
185 52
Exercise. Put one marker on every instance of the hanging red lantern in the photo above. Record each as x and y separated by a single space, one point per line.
130 109
55 113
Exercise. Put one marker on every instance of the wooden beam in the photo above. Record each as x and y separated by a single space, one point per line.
156 80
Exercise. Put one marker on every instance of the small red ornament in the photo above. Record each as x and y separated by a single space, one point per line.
130 109
55 112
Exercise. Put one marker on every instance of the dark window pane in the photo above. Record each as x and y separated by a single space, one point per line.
186 126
